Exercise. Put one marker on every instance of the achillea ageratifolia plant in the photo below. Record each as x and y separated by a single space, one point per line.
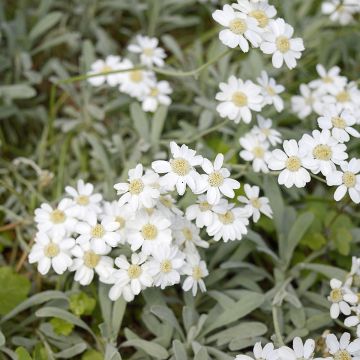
191 191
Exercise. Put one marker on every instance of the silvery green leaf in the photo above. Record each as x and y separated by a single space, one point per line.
111 353
157 124
45 24
71 352
141 122
18 91
327 270
2 339
202 354
179 350
150 347
165 314
297 316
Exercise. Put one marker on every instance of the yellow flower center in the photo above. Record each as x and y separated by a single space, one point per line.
187 234
227 218
322 152
216 179
136 76
327 79
270 90
255 202
349 179
239 99
204 206
336 295
165 266
134 271
260 16
343 96
98 231
51 250
149 232
338 122
121 221
82 200
238 26
136 186
342 355
91 259
106 69
258 152
197 273
57 216
283 44
154 92
166 201
180 166
148 51
293 163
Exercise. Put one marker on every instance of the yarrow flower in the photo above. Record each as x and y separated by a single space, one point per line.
110 64
270 90
195 269
340 297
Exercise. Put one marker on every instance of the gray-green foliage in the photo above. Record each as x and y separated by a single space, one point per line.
98 134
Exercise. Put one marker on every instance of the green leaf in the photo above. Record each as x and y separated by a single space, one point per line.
45 24
342 240
61 327
326 270
179 350
296 233
118 311
150 347
92 355
81 304
14 288
248 303
166 315
157 124
72 352
18 91
313 240
141 122
22 354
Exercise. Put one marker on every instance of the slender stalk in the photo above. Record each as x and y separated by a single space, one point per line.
279 337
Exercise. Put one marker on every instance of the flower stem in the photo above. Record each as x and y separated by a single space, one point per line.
279 337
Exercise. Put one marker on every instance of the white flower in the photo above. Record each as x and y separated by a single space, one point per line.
300 350
230 225
346 98
261 353
86 263
111 63
347 180
343 349
254 203
217 180
120 214
150 53
156 94
279 42
324 149
165 266
340 10
141 190
340 296
101 236
136 83
270 90
86 204
329 80
340 123
148 230
167 206
51 252
292 162
354 320
238 98
203 213
256 151
261 11
304 104
196 270
58 221
130 278
264 131
180 169
241 28
187 235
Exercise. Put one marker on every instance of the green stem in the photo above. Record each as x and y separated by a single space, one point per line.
279 337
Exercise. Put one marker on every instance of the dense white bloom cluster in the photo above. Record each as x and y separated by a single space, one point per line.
140 83
336 349
249 22
341 11
144 239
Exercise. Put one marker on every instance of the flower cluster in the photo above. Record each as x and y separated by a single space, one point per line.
249 22
140 83
341 11
238 98
334 349
344 297
145 239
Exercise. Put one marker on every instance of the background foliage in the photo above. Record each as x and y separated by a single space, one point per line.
97 134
